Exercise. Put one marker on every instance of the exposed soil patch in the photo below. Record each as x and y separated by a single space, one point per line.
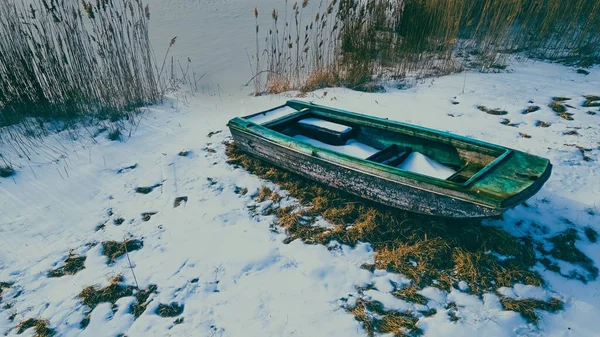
113 250
127 169
73 264
146 190
179 200
184 153
212 133
118 221
524 135
507 122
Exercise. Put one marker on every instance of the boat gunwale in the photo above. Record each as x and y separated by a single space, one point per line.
495 206
340 113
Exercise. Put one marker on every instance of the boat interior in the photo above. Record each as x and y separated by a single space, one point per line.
458 161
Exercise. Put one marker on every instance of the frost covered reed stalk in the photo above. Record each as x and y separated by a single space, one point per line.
354 42
66 59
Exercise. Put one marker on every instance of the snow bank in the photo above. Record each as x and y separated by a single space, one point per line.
419 163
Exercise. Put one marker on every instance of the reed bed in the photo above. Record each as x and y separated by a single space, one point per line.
354 42
62 60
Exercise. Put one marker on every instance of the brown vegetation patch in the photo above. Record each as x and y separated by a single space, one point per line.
92 296
169 310
113 249
320 78
531 109
495 112
558 107
41 327
591 101
542 124
146 190
73 264
571 133
377 320
528 307
4 285
430 251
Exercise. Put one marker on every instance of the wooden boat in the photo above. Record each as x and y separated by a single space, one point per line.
367 156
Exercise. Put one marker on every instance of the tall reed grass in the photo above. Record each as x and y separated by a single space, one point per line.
351 42
64 59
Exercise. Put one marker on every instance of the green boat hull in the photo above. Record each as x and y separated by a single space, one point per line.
501 179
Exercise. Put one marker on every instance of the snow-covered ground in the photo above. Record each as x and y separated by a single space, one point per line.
234 276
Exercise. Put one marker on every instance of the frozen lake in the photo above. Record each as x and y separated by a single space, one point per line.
217 35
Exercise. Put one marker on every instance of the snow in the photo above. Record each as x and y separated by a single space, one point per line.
249 283
272 115
419 163
352 147
325 124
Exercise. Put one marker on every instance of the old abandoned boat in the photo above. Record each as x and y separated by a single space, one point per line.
396 164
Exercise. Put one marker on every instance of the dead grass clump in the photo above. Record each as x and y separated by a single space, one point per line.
557 107
409 294
277 84
542 124
41 327
376 320
566 116
263 194
527 307
169 310
530 109
591 101
73 264
524 135
320 78
430 251
4 285
560 99
113 250
141 300
92 296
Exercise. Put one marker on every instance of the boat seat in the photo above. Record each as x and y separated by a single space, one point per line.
326 131
392 155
